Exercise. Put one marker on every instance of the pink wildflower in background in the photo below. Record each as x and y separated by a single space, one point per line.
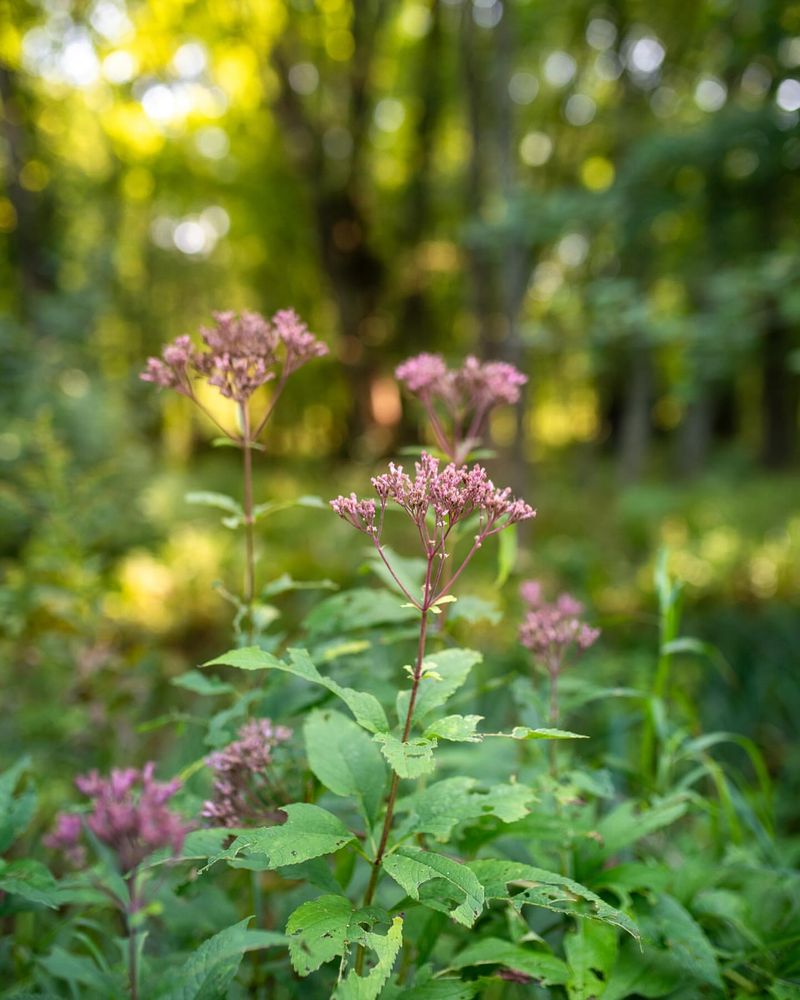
458 401
245 790
551 630
450 494
129 815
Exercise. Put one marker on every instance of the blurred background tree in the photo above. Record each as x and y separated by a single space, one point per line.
604 194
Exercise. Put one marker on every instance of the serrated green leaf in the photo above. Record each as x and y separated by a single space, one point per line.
365 707
549 890
324 928
387 948
29 880
591 950
208 973
194 680
452 667
346 760
544 967
309 832
456 728
410 759
440 807
411 867
317 932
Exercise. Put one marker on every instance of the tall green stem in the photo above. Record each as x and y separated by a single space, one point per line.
392 797
133 952
390 802
249 521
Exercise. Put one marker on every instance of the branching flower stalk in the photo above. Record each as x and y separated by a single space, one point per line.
458 401
436 500
240 354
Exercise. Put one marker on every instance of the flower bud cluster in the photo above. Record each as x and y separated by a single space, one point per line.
244 793
549 630
436 499
240 353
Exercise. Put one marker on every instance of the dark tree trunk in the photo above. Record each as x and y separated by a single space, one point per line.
28 240
780 394
635 425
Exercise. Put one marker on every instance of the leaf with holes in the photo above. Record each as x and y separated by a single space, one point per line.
440 807
544 967
410 759
412 867
549 890
324 928
591 950
387 948
456 728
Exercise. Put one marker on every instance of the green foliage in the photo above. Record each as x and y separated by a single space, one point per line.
412 867
345 760
309 832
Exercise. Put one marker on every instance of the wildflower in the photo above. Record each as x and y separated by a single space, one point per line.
550 631
436 499
66 838
244 793
240 353
129 815
466 395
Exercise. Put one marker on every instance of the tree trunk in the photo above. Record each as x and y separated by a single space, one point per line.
780 394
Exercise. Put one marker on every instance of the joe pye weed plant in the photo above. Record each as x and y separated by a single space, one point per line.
373 816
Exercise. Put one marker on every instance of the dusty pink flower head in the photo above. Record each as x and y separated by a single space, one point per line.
301 346
66 838
489 383
423 374
240 356
244 793
458 400
172 369
550 630
129 815
240 353
436 499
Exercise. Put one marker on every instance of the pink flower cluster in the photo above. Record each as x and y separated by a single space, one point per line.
244 793
451 494
129 815
240 354
466 395
550 630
